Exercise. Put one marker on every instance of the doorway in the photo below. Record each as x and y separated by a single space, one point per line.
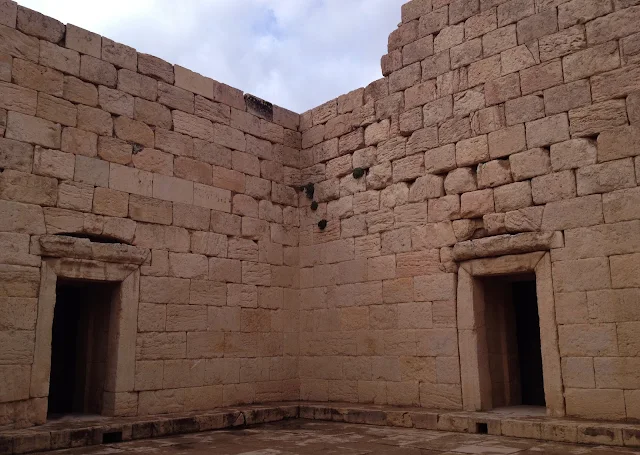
514 354
79 347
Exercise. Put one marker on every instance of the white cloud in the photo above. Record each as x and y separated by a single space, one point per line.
294 53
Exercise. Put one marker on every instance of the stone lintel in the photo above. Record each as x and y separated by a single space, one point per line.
506 244
61 246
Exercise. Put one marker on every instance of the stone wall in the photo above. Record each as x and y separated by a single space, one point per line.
500 127
97 139
494 117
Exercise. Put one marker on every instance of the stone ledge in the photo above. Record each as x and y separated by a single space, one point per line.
507 244
62 246
79 433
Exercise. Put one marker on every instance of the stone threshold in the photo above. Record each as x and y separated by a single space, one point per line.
87 431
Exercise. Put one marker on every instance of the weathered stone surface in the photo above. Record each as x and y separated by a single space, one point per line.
503 244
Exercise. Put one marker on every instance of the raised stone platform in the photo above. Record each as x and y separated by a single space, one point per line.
518 422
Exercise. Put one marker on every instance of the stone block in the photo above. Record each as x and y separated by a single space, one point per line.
15 155
34 130
524 109
590 120
138 85
173 189
488 120
150 210
480 24
454 130
531 163
98 71
476 203
541 77
75 196
613 26
468 102
16 98
512 197
95 120
472 151
415 52
563 43
466 53
41 78
567 96
120 55
553 187
499 40
588 62
528 219
502 89
56 109
460 180
438 111
519 58
444 208
53 163
605 177
92 171
115 101
548 130
507 141
581 11
193 82
595 403
572 213
155 67
618 143
582 275
503 244
129 180
621 205
494 173
194 170
572 154
79 92
153 160
622 268
110 202
33 189
79 142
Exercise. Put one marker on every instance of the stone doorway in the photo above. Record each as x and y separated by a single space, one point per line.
492 361
80 341
109 269
512 331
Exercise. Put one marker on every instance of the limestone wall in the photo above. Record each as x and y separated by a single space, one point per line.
500 127
98 139
494 117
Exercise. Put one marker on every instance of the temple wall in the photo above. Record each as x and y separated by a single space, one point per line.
499 128
97 139
494 117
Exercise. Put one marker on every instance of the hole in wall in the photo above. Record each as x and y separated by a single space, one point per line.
482 428
112 437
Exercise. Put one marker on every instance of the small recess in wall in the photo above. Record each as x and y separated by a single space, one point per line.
359 172
322 224
309 190
314 206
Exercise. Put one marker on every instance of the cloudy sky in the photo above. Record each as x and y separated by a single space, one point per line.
294 53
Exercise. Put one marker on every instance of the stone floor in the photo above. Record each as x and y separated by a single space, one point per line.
327 438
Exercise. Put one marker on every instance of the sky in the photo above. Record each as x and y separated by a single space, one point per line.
294 53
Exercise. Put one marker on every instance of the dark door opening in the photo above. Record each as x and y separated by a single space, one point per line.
79 343
513 341
528 335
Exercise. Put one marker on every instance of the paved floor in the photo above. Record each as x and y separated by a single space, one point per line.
307 437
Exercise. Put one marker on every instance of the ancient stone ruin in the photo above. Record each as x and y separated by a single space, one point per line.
159 253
